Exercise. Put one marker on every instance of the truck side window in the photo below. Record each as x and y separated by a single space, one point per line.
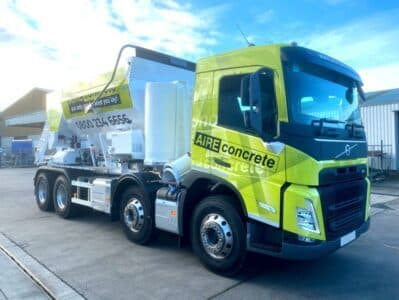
231 110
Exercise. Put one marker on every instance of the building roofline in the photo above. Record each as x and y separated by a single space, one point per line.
30 91
382 97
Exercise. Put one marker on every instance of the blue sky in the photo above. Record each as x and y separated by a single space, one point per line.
51 44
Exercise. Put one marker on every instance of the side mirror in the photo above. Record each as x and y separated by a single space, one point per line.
244 92
360 91
349 95
255 103
263 106
255 89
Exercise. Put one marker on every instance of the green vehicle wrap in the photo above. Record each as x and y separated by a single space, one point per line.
271 185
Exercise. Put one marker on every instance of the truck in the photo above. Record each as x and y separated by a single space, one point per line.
260 149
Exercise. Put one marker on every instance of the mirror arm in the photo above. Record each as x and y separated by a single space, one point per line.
361 92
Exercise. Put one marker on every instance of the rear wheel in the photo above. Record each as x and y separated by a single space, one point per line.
137 216
62 198
43 193
218 235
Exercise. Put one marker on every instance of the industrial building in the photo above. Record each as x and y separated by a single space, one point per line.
380 115
22 121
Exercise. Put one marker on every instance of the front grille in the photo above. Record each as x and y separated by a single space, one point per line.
343 207
342 174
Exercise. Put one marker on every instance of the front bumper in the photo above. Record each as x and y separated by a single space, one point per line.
302 251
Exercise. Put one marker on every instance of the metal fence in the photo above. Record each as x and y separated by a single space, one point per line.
16 160
380 161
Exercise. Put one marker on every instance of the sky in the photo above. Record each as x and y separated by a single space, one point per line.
53 43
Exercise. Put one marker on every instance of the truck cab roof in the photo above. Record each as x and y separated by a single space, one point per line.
250 56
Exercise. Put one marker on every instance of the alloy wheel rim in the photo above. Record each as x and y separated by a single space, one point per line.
216 236
61 196
133 215
42 192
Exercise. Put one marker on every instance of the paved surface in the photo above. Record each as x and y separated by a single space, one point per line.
14 284
92 256
51 286
390 186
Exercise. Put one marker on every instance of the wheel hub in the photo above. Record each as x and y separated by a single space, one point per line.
216 236
61 196
42 192
134 215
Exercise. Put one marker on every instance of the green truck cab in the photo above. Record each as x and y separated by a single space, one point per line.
279 128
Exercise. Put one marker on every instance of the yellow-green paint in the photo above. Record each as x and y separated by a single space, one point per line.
88 92
304 169
259 185
53 119
242 60
58 102
367 214
296 196
54 110
121 90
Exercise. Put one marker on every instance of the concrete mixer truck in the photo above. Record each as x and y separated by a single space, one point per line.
260 149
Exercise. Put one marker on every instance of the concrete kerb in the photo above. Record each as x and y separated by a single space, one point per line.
52 285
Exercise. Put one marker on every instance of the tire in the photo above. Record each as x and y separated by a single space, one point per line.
218 235
137 216
62 198
43 193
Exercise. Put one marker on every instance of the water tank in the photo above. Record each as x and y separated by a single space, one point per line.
167 116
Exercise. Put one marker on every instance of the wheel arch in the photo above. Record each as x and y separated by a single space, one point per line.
48 171
146 181
201 185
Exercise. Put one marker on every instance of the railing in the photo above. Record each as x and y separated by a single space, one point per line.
8 159
380 161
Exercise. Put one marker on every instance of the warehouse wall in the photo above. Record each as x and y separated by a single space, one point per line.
24 119
380 123
34 100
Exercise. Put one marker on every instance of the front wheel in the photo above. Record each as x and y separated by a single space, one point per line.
218 235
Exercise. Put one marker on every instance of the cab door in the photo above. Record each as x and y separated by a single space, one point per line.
242 156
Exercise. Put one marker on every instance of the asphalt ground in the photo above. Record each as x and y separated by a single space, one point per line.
91 257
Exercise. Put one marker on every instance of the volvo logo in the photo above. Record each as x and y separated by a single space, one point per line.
347 151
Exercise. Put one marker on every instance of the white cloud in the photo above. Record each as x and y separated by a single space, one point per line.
369 45
53 43
265 17
380 78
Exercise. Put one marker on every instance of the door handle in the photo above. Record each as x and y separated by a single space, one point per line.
222 162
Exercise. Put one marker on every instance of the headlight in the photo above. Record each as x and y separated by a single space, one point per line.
306 217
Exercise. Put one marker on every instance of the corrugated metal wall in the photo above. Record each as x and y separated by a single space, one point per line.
379 122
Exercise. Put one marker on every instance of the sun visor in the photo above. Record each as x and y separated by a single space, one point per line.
300 54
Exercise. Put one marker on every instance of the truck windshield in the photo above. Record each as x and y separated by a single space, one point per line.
317 93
